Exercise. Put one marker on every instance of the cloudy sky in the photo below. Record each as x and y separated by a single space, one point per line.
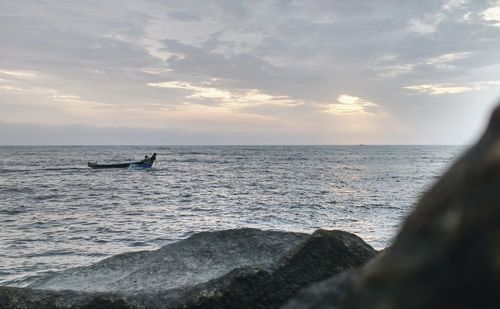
247 72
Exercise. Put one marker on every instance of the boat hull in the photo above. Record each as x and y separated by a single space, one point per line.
121 165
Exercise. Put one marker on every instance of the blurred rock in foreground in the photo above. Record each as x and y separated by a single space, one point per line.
447 254
243 268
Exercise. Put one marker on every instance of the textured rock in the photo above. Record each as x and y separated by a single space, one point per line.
324 294
244 268
200 258
447 254
27 298
324 254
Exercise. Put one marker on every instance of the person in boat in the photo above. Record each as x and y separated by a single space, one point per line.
150 159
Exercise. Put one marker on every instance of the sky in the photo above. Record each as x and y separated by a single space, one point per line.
247 72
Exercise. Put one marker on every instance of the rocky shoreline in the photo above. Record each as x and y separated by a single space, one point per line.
245 268
447 255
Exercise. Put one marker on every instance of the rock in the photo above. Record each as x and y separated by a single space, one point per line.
325 293
244 268
447 254
27 298
200 258
322 255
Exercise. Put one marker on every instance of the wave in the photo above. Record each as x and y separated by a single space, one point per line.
12 212
8 170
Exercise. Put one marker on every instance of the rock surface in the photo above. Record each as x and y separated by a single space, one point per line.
447 254
200 258
326 293
244 268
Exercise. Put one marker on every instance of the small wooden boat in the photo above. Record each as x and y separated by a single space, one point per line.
146 163
139 164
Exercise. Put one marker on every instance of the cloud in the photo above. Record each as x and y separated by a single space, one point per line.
430 22
272 64
19 74
453 4
424 27
393 71
492 14
349 105
197 91
441 89
438 89
64 97
236 98
451 57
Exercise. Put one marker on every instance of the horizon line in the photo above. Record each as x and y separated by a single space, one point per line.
211 145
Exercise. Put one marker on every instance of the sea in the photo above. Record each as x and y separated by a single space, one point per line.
56 213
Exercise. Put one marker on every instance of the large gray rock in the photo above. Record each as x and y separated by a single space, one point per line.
200 258
447 254
322 255
244 268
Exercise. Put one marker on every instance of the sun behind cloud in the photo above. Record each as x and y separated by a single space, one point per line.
349 105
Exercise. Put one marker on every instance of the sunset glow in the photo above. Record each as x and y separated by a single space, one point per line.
219 68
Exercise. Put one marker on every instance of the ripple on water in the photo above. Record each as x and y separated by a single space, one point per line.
12 212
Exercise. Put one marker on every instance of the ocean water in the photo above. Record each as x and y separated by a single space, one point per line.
56 213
